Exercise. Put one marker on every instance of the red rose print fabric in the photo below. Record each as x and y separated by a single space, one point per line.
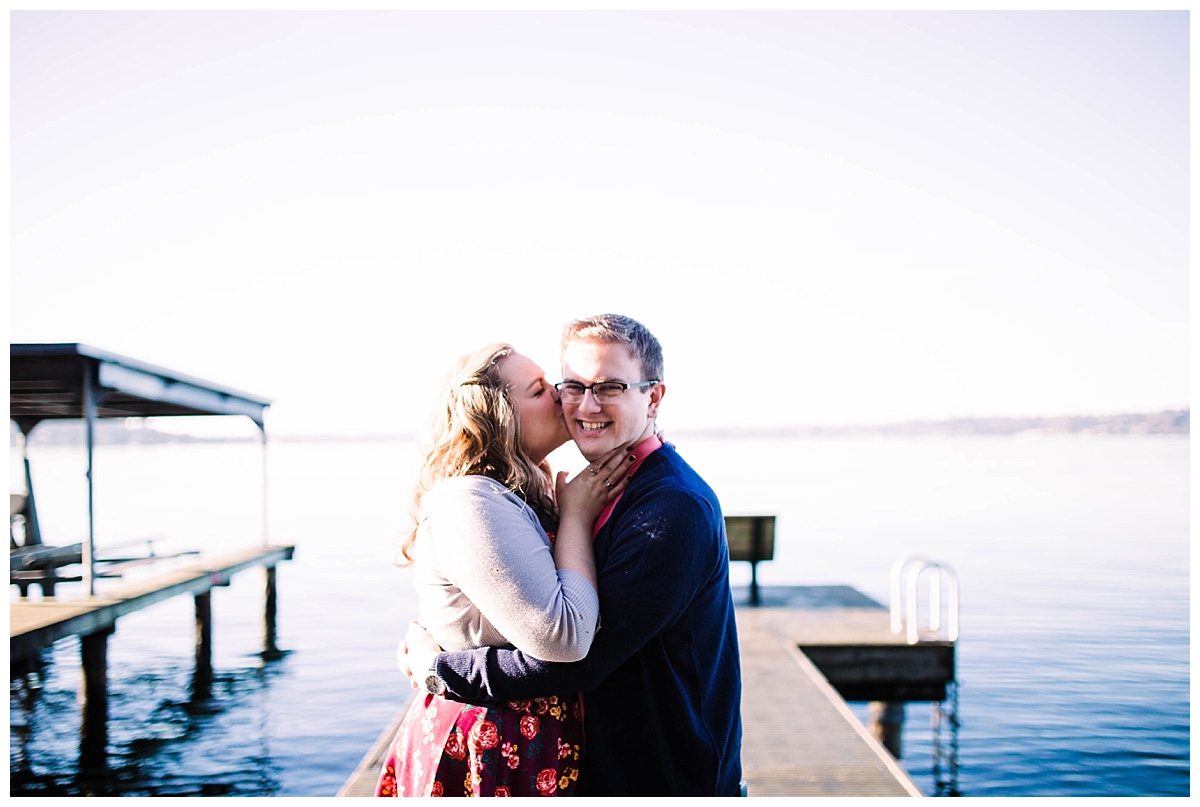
524 748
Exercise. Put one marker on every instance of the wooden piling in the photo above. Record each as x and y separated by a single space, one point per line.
93 733
203 675
271 651
886 723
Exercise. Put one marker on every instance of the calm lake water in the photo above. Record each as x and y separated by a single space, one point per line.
1071 553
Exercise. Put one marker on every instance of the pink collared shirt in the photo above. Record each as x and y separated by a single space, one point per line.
640 452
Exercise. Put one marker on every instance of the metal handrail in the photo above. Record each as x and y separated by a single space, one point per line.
905 601
897 601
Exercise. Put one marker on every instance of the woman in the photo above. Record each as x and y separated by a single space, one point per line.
498 564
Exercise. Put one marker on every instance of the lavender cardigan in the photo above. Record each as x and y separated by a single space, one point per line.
485 576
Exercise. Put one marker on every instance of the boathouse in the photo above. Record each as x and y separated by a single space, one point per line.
79 382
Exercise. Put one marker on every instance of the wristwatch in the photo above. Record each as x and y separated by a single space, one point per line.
433 684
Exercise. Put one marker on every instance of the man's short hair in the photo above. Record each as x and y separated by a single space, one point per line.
619 329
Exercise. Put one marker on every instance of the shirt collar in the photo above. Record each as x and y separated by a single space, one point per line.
640 452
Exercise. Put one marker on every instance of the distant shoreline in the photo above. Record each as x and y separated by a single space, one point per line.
1170 422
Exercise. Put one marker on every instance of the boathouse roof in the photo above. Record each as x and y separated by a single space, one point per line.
54 380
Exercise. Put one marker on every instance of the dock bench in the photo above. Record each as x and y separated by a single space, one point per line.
752 539
39 564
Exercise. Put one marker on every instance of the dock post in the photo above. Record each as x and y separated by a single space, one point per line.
271 652
93 735
203 676
90 404
887 725
756 552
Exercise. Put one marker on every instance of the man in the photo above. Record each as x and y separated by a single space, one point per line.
662 681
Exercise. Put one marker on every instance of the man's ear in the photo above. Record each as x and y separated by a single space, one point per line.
656 395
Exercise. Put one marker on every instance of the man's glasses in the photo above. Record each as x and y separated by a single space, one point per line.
605 391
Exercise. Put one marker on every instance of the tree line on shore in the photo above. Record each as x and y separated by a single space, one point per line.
121 432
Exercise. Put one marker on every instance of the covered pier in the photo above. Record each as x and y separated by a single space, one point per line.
59 381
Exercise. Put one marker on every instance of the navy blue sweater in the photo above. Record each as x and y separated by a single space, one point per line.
662 681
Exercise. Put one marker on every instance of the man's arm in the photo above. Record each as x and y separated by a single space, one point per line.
663 552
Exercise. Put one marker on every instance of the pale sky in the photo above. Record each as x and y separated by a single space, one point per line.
826 217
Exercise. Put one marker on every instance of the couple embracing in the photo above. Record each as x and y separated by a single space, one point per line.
574 636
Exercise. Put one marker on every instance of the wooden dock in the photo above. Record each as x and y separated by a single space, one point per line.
34 626
799 736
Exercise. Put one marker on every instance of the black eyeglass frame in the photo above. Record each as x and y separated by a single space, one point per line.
583 388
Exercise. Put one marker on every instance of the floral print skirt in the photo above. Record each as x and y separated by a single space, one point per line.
522 748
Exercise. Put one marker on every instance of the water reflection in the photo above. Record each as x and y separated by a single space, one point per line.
165 738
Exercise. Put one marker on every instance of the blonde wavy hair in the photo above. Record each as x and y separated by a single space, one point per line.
475 431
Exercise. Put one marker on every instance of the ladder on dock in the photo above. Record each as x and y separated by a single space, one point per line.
907 608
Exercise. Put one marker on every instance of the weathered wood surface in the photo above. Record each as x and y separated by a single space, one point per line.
799 736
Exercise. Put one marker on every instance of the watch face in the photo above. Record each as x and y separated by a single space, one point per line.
434 685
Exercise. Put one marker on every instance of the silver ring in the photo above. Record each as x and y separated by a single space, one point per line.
607 483
593 470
